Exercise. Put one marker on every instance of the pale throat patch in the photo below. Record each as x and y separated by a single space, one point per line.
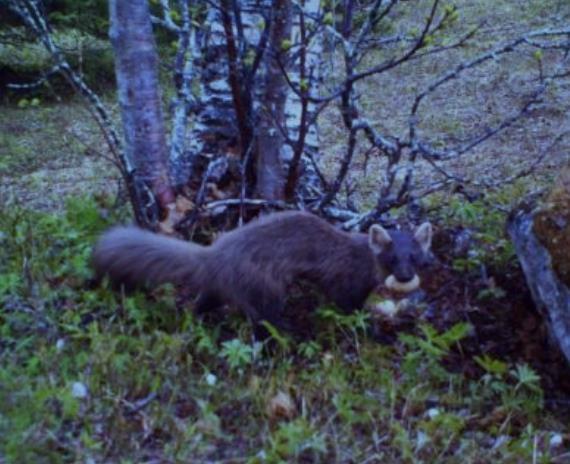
403 287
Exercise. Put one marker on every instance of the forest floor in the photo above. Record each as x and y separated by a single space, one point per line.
464 373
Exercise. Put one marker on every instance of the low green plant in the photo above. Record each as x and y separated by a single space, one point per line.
237 353
518 389
295 440
422 361
88 374
492 248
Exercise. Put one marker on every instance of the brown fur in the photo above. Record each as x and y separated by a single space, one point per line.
252 266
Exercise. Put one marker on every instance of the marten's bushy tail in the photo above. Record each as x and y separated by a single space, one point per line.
134 257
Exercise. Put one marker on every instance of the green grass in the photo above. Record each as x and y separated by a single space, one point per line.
88 374
32 139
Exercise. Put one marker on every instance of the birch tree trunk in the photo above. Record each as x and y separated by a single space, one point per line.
270 172
136 65
216 131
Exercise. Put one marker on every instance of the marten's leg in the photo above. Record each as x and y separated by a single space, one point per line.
208 306
272 316
349 299
266 305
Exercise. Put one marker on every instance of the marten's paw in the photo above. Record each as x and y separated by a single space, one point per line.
403 287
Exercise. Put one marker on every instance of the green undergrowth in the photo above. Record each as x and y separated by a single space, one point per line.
485 220
90 375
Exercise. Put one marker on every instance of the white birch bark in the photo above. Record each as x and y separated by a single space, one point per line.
136 66
215 132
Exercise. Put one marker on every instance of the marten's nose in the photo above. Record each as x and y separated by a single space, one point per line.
404 275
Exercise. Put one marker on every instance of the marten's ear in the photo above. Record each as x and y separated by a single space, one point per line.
423 235
378 238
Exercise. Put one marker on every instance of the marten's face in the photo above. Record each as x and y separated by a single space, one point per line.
401 254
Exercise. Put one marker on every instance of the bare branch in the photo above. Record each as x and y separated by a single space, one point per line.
183 81
221 204
429 153
166 21
344 165
235 77
393 62
464 66
56 69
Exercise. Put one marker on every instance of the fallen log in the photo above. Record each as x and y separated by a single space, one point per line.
542 241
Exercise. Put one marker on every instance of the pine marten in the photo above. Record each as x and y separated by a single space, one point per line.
251 266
